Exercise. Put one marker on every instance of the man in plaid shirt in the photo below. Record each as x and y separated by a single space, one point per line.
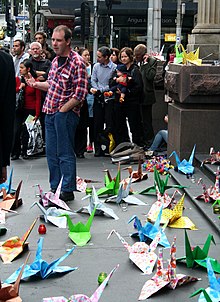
66 88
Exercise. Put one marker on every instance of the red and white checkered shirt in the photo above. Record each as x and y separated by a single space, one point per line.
66 82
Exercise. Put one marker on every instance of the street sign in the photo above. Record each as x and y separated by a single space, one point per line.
22 17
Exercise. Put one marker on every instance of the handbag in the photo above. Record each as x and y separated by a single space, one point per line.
20 100
126 153
35 143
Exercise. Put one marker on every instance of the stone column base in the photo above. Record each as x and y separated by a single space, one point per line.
193 124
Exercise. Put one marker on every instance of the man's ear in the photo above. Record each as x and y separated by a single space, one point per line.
68 41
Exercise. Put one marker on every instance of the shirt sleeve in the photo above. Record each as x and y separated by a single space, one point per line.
80 82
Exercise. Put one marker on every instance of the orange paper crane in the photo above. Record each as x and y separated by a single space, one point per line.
10 292
136 175
11 201
14 246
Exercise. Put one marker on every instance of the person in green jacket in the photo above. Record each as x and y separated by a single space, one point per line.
148 68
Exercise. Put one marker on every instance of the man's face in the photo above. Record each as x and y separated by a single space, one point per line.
100 58
36 51
60 45
17 48
40 39
138 57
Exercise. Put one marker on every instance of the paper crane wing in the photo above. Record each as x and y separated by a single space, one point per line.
7 184
111 186
212 292
55 199
83 298
10 293
14 246
41 268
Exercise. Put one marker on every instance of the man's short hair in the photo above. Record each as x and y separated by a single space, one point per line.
140 49
66 29
21 42
35 43
42 33
105 51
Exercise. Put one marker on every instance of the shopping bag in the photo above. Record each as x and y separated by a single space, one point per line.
35 143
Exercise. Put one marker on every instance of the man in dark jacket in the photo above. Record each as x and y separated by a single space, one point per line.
148 68
7 112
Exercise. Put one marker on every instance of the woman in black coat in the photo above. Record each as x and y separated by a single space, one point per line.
7 112
130 108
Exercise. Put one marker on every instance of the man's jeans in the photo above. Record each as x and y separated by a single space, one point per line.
60 129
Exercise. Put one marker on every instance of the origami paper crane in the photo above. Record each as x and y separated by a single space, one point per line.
53 215
165 277
7 184
141 254
111 185
175 218
11 201
160 185
14 246
80 233
161 163
163 200
51 198
10 293
192 57
123 195
150 230
83 298
185 166
211 293
136 175
196 255
81 183
94 202
212 193
213 159
41 268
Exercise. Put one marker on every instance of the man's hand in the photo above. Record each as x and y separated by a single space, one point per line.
30 81
93 90
4 175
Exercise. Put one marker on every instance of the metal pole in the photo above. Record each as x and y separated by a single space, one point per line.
95 41
178 23
150 26
35 27
24 20
12 17
156 25
111 31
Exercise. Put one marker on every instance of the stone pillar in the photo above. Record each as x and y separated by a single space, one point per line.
194 115
206 33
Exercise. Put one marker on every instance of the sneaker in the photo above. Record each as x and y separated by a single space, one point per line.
89 149
67 196
149 153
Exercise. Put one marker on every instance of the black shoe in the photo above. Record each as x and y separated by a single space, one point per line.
66 196
15 157
25 156
80 156
53 191
99 154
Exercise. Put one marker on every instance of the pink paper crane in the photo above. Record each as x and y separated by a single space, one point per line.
165 277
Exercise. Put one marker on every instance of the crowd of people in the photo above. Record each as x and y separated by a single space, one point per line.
79 103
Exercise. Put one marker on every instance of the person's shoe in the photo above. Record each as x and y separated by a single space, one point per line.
149 153
89 149
14 157
53 191
67 196
25 156
99 154
80 156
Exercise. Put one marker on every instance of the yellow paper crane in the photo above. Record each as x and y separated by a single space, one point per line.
175 218
192 57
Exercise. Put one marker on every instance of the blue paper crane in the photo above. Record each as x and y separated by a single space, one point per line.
185 166
150 230
41 268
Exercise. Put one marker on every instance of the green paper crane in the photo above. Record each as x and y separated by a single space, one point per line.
111 185
197 255
80 233
161 184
